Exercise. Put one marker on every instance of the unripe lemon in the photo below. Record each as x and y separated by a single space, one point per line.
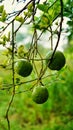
23 67
40 94
57 62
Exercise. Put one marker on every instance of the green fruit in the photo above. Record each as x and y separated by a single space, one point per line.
57 62
40 94
23 67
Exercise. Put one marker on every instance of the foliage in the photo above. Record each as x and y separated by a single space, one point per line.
68 12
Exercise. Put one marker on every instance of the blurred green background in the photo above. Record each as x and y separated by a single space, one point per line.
55 114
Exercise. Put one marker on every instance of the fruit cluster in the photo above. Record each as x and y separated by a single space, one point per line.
54 62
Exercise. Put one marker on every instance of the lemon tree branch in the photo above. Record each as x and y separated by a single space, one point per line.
13 84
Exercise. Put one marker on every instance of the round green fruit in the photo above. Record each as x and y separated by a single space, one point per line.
40 94
57 62
23 67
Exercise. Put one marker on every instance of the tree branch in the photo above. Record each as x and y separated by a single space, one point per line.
59 33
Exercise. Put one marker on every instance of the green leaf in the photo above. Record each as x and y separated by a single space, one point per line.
43 7
21 51
8 38
4 39
1 42
19 19
30 7
4 15
54 11
65 1
1 8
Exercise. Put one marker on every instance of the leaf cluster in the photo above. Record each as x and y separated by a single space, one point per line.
4 39
68 12
49 14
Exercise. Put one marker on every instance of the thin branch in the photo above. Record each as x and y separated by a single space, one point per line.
26 82
16 15
59 33
13 84
51 38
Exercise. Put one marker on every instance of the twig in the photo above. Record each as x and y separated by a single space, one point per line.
13 84
59 33
16 15
51 38
26 82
